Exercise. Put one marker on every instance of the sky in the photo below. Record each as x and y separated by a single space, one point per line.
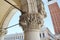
18 29
15 20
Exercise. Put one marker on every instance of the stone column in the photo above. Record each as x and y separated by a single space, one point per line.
32 20
31 24
2 33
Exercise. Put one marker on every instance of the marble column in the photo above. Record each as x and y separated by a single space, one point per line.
32 20
31 24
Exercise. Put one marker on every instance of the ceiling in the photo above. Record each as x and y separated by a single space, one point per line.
5 8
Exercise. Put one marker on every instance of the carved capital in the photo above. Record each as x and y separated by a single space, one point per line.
31 20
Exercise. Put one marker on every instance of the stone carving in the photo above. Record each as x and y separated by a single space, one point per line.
40 6
32 20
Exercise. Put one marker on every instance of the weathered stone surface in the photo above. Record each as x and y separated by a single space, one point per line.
25 7
31 20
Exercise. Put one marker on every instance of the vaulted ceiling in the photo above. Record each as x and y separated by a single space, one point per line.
5 8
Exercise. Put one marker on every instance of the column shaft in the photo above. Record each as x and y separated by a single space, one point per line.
32 35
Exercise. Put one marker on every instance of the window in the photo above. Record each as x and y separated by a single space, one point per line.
49 0
43 35
57 39
40 35
49 39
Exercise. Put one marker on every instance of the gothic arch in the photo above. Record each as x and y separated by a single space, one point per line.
10 14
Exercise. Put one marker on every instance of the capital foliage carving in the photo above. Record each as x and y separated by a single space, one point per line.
31 21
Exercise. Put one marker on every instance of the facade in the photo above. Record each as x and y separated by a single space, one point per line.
57 37
45 34
18 36
55 14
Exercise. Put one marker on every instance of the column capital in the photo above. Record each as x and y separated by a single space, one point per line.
31 21
33 18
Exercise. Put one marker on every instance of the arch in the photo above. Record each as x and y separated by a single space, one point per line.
9 16
10 12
